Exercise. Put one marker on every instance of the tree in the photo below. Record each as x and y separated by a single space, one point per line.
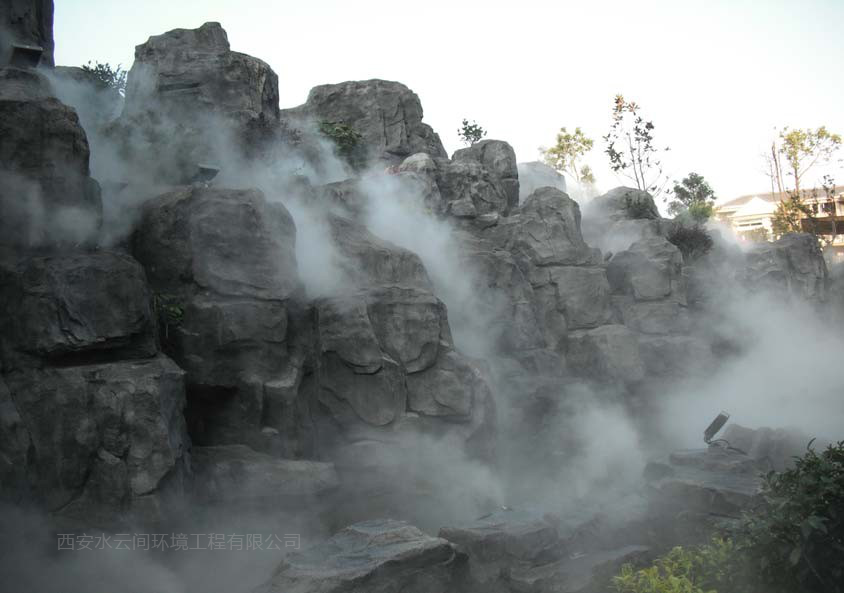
693 197
631 150
565 155
803 149
106 77
470 133
788 214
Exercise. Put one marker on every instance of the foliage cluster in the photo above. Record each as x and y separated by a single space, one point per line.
793 542
106 77
470 133
693 199
566 154
346 139
692 240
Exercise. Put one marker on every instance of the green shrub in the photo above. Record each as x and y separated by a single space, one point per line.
701 569
106 77
794 541
691 239
347 140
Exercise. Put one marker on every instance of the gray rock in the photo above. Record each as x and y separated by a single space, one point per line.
793 265
624 203
653 317
609 353
652 269
469 190
534 175
75 307
47 196
775 447
387 115
675 356
503 541
107 440
580 294
236 474
14 448
499 159
386 556
546 231
190 100
27 22
222 265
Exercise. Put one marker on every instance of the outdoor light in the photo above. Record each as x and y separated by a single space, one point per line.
205 173
715 426
25 56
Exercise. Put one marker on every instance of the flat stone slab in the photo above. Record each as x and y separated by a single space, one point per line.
383 556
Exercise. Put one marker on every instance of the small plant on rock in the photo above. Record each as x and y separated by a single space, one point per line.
106 77
347 140
470 133
691 239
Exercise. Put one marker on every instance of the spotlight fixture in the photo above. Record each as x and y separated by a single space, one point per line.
714 427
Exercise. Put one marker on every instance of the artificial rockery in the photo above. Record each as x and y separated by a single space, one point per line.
161 352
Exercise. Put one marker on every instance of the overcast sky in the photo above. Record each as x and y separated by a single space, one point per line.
714 76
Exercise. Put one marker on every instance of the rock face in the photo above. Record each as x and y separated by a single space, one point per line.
387 115
222 266
793 265
47 196
27 22
105 440
189 100
235 474
385 348
499 159
535 175
608 353
74 307
386 556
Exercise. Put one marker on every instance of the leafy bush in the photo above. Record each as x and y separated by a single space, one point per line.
795 540
470 133
106 77
691 239
701 569
638 208
347 140
169 311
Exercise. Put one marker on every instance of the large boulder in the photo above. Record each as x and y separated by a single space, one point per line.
793 265
386 556
223 269
499 159
75 308
189 100
47 196
534 175
652 269
386 114
620 217
106 441
27 22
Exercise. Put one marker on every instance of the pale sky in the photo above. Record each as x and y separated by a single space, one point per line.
714 76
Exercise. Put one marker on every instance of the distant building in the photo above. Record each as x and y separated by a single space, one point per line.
751 217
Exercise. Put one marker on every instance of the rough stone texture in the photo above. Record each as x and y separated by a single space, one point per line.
793 265
194 71
609 353
47 197
222 264
388 115
105 439
236 474
774 447
386 556
546 231
624 203
614 221
653 317
499 159
652 269
713 480
503 541
189 101
27 22
74 307
534 175
675 356
469 190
